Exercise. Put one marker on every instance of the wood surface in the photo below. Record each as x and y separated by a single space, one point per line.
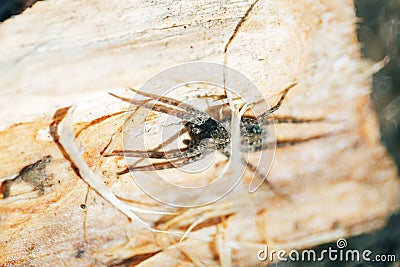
60 53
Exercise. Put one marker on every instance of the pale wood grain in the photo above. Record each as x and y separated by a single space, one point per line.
59 53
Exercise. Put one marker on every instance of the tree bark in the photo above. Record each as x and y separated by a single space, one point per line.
340 183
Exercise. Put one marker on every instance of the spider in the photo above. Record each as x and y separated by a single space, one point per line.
206 134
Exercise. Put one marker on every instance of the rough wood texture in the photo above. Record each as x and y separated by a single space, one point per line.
60 52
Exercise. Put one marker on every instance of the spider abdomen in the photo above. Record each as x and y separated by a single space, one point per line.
252 133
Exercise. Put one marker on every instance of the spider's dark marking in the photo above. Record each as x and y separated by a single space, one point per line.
209 130
293 142
34 174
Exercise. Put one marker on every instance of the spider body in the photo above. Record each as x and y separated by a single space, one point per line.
209 132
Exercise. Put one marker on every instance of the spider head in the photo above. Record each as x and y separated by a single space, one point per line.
209 129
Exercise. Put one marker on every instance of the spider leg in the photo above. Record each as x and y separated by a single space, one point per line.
172 102
293 142
145 154
171 154
290 119
219 99
261 177
277 105
168 141
158 107
285 143
164 165
155 153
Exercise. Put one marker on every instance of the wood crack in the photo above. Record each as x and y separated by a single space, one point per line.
239 25
34 174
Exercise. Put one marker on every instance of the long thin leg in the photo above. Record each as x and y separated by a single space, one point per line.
271 186
163 165
172 102
155 153
285 143
171 154
145 154
158 107
294 120
277 106
168 141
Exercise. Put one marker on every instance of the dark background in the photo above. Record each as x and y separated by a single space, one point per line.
379 33
13 7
